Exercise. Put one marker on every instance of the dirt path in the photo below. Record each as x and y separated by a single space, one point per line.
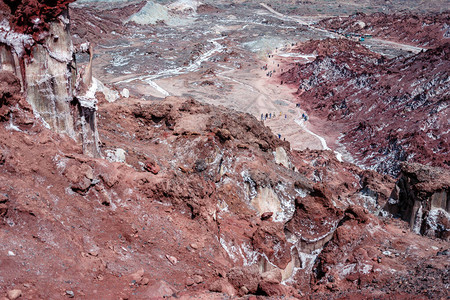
396 45
192 67
291 126
378 41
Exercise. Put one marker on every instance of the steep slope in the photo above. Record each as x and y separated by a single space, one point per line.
388 111
202 200
421 30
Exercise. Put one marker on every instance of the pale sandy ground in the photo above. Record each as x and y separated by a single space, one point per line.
250 90
246 88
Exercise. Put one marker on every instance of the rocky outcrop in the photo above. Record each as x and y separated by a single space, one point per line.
422 198
194 224
36 45
428 30
381 123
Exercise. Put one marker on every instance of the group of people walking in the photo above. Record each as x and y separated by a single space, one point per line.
271 116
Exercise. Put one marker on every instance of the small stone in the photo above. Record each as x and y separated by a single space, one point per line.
152 166
243 290
194 246
198 279
71 294
190 282
266 215
125 93
10 253
173 260
145 281
14 294
272 276
138 275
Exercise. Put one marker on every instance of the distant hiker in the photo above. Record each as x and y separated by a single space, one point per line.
279 136
262 117
285 116
270 115
267 115
281 82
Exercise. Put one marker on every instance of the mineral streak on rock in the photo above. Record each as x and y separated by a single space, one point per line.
37 47
206 202
421 197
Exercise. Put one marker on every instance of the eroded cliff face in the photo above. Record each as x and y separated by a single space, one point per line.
422 198
36 45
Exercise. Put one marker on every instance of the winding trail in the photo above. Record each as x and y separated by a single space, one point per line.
264 95
192 67
405 47
302 124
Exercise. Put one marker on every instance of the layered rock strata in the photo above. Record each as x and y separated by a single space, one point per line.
36 46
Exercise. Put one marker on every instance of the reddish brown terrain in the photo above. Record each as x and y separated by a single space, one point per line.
421 30
387 110
178 199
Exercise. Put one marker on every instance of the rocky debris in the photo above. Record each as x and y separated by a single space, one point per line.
208 212
172 259
138 278
367 267
427 30
421 197
160 289
3 204
272 289
335 48
380 125
14 294
80 177
269 238
152 166
222 285
266 216
110 22
70 294
244 280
